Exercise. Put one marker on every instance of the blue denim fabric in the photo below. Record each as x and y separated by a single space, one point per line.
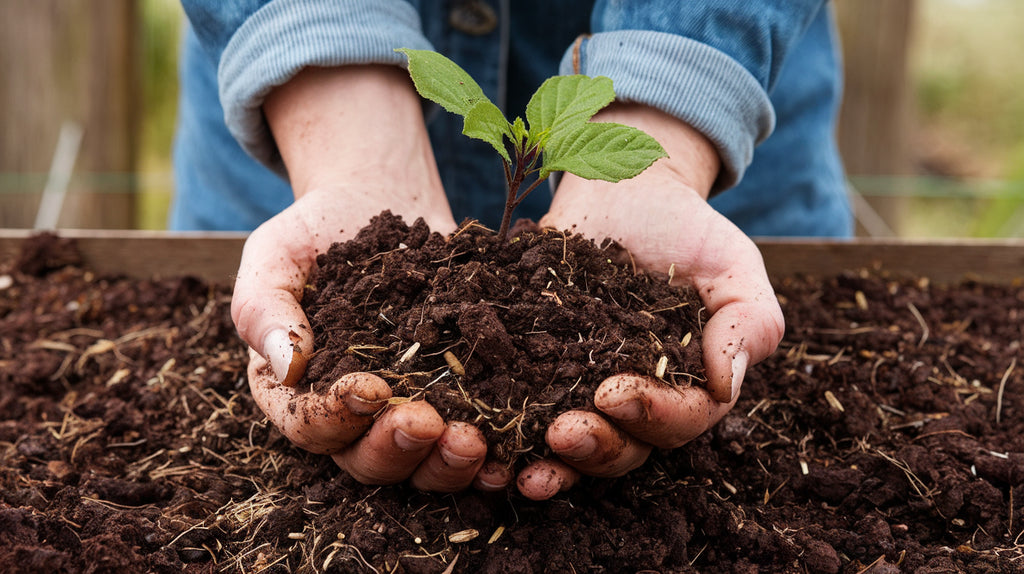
217 185
735 69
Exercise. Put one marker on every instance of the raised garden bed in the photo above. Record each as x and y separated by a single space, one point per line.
885 435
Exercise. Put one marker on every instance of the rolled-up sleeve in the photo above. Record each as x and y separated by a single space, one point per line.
711 63
261 45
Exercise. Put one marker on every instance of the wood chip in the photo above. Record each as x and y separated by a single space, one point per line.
686 339
861 299
463 536
497 534
834 402
454 363
409 353
659 371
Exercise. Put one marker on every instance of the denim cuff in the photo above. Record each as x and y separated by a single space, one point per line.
690 80
284 36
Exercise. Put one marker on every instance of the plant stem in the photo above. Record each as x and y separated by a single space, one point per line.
514 181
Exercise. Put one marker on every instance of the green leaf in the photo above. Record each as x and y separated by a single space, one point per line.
486 122
442 81
519 132
607 151
563 103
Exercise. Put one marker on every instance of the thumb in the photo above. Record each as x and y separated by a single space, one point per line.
265 304
746 323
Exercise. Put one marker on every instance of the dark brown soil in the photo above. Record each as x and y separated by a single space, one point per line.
885 435
533 325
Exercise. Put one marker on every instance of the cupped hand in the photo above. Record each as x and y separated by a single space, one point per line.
374 442
354 144
662 217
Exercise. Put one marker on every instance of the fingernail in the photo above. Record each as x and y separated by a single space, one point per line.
492 476
279 350
457 461
489 485
364 406
627 411
739 369
407 442
582 449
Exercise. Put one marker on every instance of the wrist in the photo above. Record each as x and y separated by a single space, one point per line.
692 159
352 123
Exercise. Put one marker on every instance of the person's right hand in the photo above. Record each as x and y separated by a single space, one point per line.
354 143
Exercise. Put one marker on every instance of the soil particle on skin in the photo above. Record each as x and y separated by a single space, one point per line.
129 441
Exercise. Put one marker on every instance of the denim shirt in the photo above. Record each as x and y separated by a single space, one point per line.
759 78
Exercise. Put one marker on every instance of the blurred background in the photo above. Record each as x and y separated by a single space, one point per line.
932 126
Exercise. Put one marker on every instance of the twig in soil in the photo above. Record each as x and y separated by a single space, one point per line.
114 505
768 495
871 566
1009 526
699 552
950 431
1002 387
920 319
758 406
81 442
451 565
338 546
916 483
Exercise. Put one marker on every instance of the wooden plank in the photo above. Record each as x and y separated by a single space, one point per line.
215 256
942 262
210 256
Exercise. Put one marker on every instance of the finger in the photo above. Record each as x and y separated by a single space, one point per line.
545 478
746 323
657 413
595 447
265 303
454 462
395 445
319 423
492 477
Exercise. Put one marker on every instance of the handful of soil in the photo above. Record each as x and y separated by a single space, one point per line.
504 335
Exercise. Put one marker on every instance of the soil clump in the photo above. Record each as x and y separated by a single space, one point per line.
506 336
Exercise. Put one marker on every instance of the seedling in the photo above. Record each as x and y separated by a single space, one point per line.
557 135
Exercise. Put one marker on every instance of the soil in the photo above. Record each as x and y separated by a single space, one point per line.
504 335
884 436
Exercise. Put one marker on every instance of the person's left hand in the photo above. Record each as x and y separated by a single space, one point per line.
662 217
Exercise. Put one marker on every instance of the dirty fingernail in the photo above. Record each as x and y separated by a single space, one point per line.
408 442
363 405
492 476
739 369
626 411
279 349
458 461
581 450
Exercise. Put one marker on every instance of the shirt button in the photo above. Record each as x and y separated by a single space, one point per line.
473 17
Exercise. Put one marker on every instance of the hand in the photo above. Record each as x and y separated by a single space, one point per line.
354 144
662 217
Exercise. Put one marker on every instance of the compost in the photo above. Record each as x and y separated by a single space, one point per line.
885 435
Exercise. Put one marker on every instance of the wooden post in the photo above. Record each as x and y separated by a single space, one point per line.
69 61
876 118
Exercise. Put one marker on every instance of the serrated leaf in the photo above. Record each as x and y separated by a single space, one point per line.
607 151
441 80
486 122
563 103
519 130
